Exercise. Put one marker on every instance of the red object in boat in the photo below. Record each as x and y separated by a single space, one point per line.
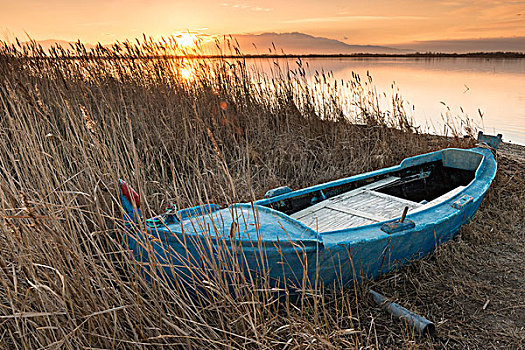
129 192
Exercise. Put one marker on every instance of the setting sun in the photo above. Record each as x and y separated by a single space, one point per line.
186 40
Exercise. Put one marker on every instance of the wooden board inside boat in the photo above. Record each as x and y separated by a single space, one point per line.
358 207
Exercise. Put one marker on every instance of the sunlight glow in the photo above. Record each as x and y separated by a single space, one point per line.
186 40
186 73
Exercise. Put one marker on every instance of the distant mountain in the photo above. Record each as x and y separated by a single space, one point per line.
300 43
514 44
288 43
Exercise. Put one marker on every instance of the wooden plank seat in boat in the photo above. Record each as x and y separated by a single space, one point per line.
358 207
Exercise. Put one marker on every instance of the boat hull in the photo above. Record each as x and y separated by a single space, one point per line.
286 253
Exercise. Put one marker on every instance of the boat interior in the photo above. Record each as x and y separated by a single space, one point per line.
383 197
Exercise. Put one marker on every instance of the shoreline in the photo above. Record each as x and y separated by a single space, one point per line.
513 150
479 55
499 55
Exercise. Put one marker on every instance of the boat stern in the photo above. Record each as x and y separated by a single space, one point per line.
489 140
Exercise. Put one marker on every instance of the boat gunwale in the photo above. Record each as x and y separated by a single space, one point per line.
407 162
345 236
330 236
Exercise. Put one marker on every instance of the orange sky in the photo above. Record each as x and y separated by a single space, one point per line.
354 22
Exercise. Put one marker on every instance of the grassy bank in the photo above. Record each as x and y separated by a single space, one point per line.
188 132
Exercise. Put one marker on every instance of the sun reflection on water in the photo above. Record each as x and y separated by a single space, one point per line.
187 73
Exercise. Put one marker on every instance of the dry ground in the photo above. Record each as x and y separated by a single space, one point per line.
473 287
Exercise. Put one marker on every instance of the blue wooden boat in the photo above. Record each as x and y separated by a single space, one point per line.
333 233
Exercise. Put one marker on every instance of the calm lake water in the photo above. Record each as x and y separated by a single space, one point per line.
433 85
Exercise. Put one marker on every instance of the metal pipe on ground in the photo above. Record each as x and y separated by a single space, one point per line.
419 323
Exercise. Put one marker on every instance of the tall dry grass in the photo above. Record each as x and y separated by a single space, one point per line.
73 122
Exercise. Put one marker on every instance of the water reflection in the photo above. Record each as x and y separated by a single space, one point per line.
493 88
186 72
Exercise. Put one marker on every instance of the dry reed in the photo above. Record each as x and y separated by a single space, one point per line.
72 122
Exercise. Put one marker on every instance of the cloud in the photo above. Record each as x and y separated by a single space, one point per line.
353 19
244 6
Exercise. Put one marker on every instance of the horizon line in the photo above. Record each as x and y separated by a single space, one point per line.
156 37
478 54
